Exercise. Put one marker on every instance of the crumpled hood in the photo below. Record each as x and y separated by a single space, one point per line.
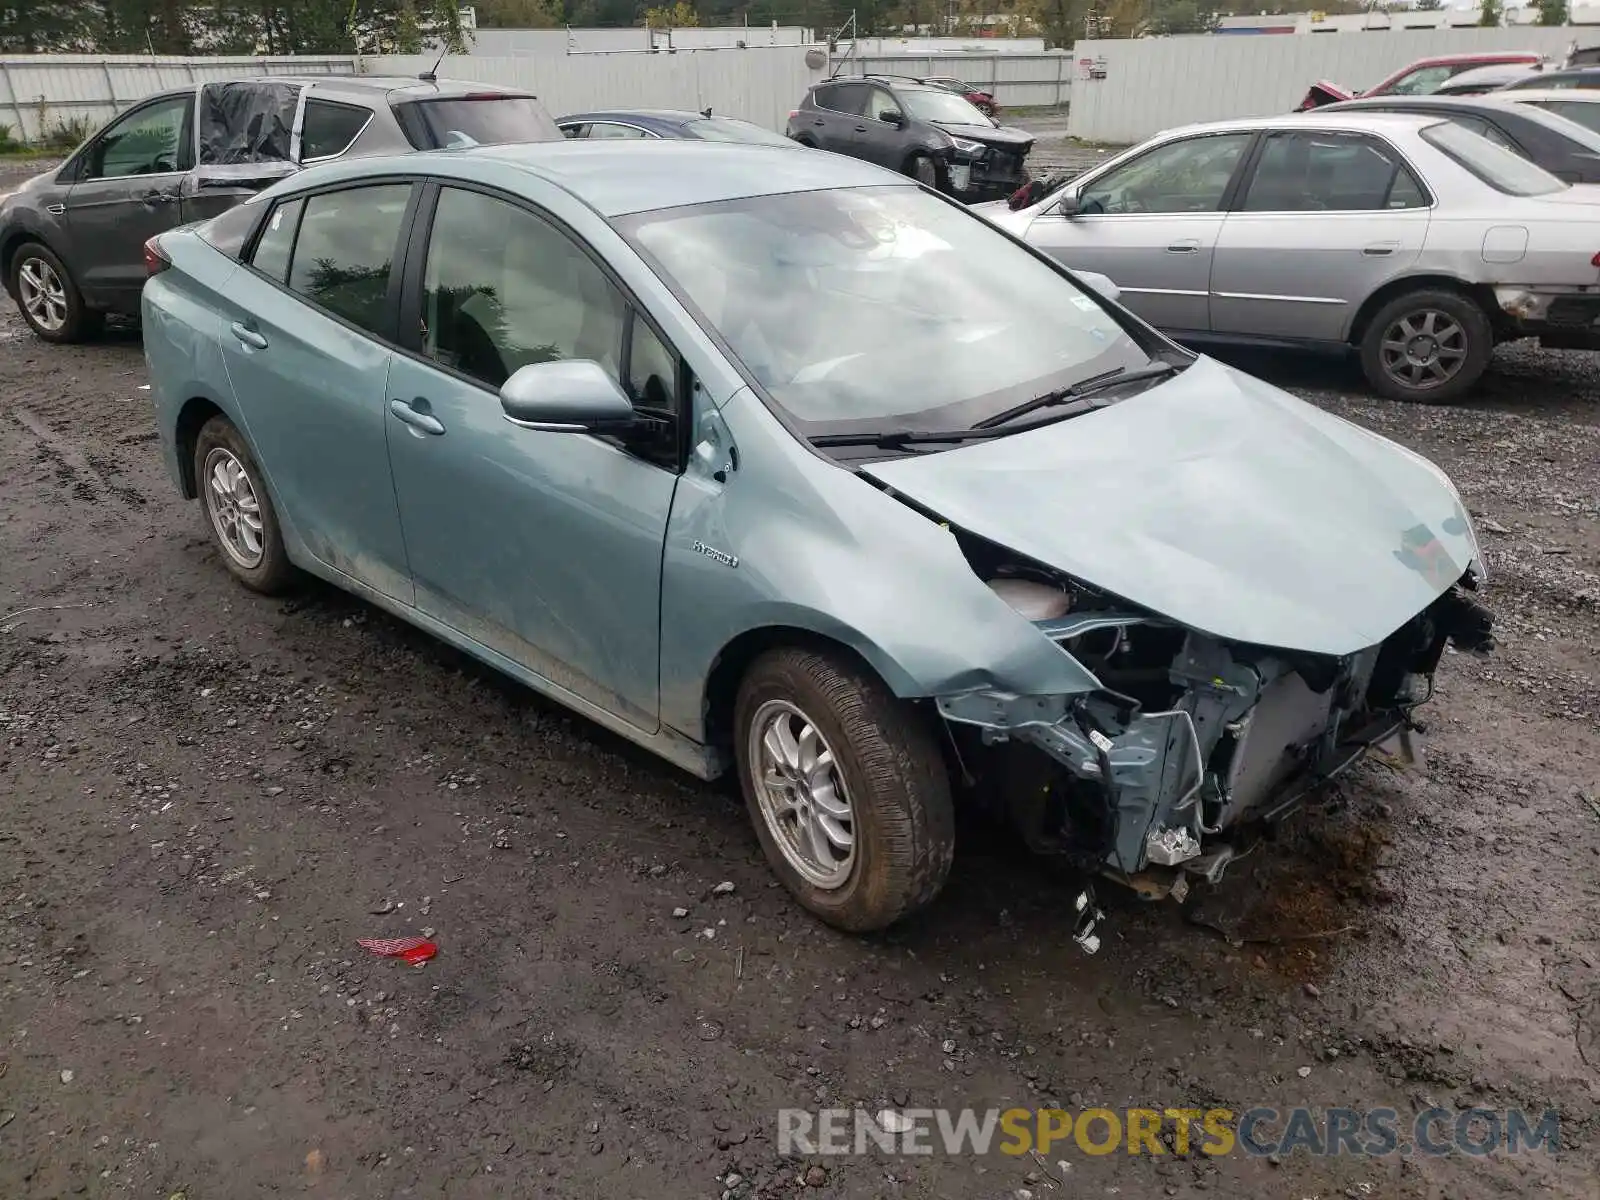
1006 137
1217 501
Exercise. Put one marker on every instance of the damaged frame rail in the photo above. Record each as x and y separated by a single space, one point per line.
1150 796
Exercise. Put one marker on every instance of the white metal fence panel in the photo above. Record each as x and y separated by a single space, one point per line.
1015 80
45 92
760 84
1151 84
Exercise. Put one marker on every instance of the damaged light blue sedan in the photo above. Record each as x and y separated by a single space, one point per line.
779 463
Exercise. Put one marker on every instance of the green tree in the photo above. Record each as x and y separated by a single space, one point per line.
675 16
518 14
1490 12
1181 16
1428 5
1552 12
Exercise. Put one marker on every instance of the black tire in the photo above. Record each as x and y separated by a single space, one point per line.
1464 328
806 141
272 572
887 756
925 169
78 322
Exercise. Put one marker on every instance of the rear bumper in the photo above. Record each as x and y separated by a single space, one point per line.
1564 318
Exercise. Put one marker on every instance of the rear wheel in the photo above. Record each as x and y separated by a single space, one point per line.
238 509
1428 346
846 787
48 298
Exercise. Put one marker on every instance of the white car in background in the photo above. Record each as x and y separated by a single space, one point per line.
1409 239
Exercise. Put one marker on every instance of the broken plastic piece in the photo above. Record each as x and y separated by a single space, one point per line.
412 950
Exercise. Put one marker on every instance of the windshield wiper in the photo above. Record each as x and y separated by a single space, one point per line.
890 439
1077 391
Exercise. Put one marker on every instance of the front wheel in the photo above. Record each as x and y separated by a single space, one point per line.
846 787
1428 346
923 169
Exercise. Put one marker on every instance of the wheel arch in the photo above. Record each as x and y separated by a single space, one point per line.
196 411
1479 293
733 661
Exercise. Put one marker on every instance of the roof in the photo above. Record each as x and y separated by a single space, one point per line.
367 85
1523 95
1344 119
674 116
626 176
1488 57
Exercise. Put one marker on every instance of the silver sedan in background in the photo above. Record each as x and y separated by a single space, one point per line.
1411 240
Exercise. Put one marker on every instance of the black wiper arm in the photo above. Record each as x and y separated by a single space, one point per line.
1084 387
889 439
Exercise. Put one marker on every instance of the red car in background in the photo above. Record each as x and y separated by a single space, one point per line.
1420 78
981 100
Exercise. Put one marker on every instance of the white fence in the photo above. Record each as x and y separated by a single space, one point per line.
43 92
40 94
1151 84
760 84
1014 80
502 43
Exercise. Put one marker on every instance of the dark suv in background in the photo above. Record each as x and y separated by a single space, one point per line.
72 239
929 133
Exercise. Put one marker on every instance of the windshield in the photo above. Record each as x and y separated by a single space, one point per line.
882 307
1495 165
941 106
730 129
485 121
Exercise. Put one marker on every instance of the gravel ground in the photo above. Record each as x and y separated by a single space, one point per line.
207 796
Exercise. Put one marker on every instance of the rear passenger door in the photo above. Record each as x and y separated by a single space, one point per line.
837 112
1322 221
307 336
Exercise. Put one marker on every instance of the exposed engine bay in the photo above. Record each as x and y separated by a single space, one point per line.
1192 745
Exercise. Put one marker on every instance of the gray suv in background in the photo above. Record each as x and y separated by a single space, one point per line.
929 133
71 240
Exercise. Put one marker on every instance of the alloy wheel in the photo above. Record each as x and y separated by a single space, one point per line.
43 295
1424 350
801 794
235 510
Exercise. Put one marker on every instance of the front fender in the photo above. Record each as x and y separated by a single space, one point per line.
792 540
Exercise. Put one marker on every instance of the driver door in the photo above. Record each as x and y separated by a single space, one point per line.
1151 224
126 191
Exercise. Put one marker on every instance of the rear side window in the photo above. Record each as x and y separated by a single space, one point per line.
271 255
330 128
1330 172
345 251
229 231
488 120
1494 165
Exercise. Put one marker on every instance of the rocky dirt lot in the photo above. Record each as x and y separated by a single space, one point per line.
206 797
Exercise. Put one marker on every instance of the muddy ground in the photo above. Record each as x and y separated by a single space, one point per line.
206 797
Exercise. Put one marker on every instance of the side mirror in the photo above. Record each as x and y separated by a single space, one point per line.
1068 206
565 396
890 117
1099 284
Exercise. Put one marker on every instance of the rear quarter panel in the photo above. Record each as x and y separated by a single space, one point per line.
181 327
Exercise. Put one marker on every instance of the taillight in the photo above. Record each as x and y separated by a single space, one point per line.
793 113
155 258
1595 261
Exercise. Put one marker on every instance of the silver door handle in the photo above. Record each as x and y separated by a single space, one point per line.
426 422
1184 246
1380 249
248 336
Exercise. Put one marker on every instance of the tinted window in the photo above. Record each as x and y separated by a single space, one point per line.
847 98
881 101
345 250
504 289
1333 172
330 128
881 306
1587 115
573 131
1494 165
652 371
490 120
271 255
232 229
607 130
1187 176
146 142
